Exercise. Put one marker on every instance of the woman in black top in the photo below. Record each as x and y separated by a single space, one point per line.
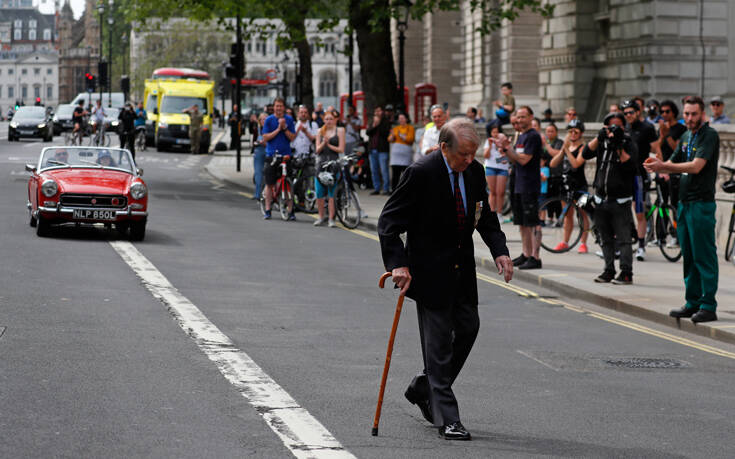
572 167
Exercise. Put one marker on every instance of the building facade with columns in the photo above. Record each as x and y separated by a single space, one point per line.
589 54
79 48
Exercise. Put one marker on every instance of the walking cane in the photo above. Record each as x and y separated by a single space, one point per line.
399 306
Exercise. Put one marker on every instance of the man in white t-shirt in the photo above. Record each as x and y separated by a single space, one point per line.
98 114
430 141
306 130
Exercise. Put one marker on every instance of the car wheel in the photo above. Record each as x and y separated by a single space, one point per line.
43 228
10 138
137 230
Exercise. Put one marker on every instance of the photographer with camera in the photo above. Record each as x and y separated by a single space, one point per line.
616 156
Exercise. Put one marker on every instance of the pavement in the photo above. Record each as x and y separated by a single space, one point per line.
657 286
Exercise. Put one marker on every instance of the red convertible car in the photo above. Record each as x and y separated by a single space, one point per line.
87 185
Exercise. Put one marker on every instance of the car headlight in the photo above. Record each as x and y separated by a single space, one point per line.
115 123
56 120
49 188
42 125
138 190
162 125
13 124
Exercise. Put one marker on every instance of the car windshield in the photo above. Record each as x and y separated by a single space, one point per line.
64 110
111 112
176 104
114 158
29 113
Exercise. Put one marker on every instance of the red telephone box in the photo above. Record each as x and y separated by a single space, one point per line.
422 91
358 100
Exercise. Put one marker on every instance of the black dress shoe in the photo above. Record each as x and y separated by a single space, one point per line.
683 312
415 398
519 260
454 431
704 315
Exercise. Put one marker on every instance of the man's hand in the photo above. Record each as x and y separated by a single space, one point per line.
505 267
653 164
402 278
282 123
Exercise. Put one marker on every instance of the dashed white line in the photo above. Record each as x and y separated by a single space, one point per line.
299 431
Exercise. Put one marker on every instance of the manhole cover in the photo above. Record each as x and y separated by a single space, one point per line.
639 362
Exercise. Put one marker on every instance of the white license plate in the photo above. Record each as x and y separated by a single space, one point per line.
182 141
90 214
26 132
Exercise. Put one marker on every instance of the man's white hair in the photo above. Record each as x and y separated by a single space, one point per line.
458 128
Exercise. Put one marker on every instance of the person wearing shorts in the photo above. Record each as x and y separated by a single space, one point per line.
496 167
526 156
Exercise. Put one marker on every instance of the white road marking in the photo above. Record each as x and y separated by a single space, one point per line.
299 431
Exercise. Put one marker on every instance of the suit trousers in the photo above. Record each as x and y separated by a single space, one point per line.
447 334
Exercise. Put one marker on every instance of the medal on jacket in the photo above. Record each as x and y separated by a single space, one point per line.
478 211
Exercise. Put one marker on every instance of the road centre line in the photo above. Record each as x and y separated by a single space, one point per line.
299 431
610 319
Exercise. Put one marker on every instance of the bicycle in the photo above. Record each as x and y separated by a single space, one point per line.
729 187
283 189
304 190
554 230
663 231
140 141
346 201
100 138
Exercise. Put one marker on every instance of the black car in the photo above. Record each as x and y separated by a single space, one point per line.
31 122
62 118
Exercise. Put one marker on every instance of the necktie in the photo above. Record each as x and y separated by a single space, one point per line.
461 217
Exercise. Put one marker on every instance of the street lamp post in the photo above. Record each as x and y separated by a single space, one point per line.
110 21
403 9
101 10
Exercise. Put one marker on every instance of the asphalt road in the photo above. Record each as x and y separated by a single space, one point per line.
94 365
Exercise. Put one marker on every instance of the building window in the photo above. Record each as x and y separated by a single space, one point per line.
18 24
11 91
10 71
49 71
32 23
250 47
1 90
327 84
49 92
24 91
17 34
36 91
36 71
32 34
24 71
47 34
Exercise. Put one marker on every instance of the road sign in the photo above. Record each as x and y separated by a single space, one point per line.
271 75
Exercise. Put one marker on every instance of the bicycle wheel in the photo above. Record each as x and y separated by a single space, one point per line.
285 194
553 231
668 240
67 138
348 207
730 245
140 141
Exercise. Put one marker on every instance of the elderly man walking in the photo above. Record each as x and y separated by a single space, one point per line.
439 202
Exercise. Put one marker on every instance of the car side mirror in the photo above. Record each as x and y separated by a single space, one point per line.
139 171
30 168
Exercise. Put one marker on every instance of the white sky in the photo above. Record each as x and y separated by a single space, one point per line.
47 6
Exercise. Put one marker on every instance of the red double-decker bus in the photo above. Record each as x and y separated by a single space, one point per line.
180 73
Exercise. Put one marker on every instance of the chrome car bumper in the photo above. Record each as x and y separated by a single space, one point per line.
68 212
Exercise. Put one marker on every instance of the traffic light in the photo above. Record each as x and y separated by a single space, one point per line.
102 74
237 60
125 84
90 82
38 102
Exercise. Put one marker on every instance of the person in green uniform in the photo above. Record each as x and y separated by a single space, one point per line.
695 158
195 127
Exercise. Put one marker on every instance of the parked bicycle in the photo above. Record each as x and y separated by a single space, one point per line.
304 191
283 189
661 225
346 201
573 220
729 187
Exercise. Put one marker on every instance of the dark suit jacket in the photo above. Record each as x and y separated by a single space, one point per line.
423 206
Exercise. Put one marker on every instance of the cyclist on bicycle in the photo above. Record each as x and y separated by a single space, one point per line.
572 169
98 115
278 133
140 117
77 118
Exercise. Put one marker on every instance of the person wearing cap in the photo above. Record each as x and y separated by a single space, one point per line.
653 112
695 158
390 114
104 159
717 106
646 140
548 116
616 163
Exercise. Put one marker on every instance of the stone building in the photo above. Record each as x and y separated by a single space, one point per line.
589 54
79 49
28 59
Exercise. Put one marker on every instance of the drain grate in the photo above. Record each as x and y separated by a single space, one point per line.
640 362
